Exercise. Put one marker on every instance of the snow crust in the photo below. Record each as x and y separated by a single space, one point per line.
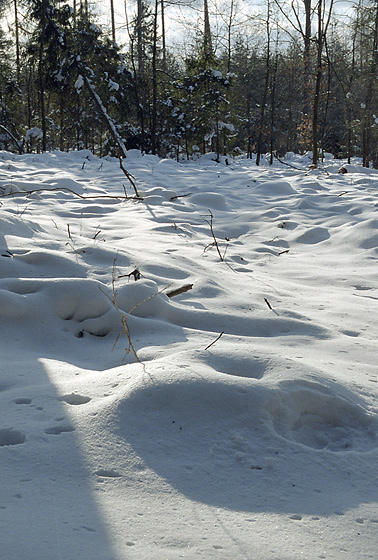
249 427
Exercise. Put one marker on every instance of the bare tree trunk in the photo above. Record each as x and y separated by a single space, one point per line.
139 37
306 110
41 85
207 43
229 36
108 122
367 120
112 20
154 81
266 88
273 106
320 40
319 72
164 48
17 41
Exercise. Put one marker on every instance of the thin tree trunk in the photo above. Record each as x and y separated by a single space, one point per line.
229 36
105 117
164 53
18 73
154 81
266 89
139 37
368 112
273 107
112 20
319 73
306 110
321 37
207 43
42 87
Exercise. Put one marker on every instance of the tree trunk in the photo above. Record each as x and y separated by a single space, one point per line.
105 117
42 87
154 82
112 20
139 37
229 36
320 40
266 89
273 106
207 43
306 109
319 73
367 120
164 50
17 41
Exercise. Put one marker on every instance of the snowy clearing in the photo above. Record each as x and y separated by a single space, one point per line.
249 429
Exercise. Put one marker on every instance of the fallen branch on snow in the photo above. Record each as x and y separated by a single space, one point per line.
214 341
178 291
66 189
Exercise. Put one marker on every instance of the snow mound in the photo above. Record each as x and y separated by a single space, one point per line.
275 188
141 298
211 200
313 415
313 236
157 195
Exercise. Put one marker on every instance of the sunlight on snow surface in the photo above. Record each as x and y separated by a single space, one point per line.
262 445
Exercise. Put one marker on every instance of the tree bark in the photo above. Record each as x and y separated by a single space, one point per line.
207 43
319 72
41 85
266 89
154 82
112 20
139 37
16 25
368 112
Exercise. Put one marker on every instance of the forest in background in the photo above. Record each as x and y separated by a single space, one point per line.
292 78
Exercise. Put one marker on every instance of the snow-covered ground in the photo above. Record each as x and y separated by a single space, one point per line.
262 445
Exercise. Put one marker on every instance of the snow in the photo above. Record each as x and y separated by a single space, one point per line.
248 429
79 83
34 132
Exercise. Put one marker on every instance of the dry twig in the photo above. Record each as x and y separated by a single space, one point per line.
268 304
130 178
215 242
178 291
65 189
214 341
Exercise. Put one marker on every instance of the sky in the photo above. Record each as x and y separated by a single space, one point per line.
182 20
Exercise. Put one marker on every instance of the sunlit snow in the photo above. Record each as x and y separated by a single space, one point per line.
248 427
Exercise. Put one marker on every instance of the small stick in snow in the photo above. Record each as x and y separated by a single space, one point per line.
178 291
215 242
136 273
288 164
180 196
214 341
65 189
283 252
7 254
268 304
129 177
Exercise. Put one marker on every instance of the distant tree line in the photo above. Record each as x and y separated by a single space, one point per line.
291 79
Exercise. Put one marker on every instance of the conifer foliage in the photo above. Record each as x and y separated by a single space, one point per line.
285 81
